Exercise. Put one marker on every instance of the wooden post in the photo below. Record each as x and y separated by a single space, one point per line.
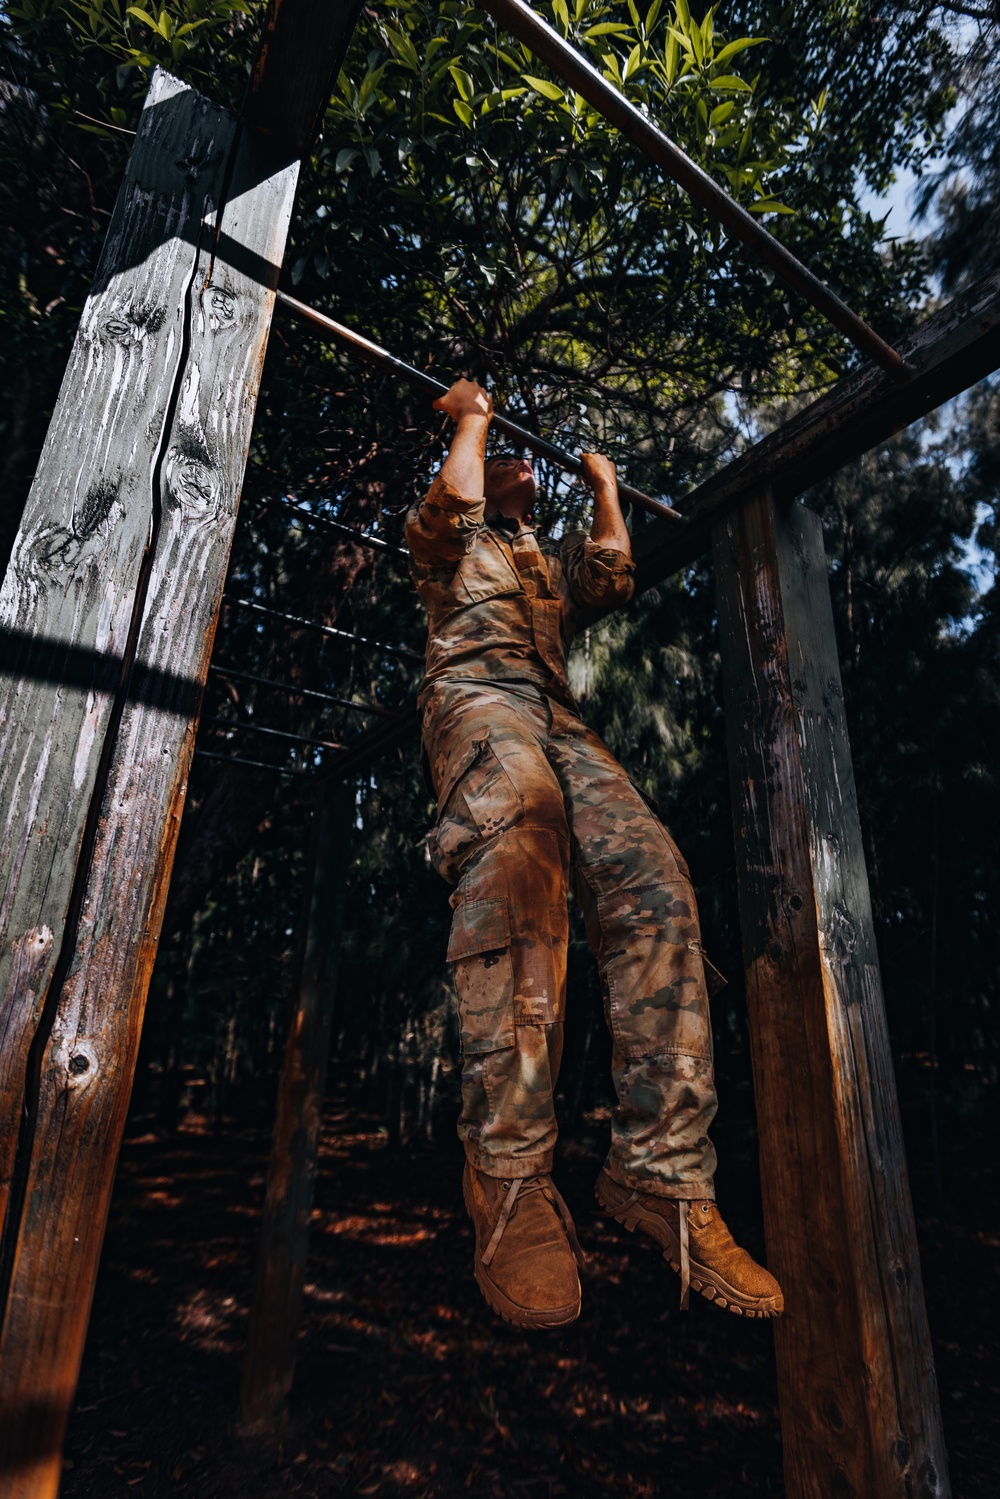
859 1405
269 1363
108 613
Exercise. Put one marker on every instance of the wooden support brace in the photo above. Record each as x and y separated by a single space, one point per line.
107 617
859 1405
269 1363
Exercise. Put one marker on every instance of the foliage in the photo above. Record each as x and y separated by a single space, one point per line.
965 190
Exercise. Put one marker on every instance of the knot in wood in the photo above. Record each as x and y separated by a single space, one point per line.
130 324
220 303
191 482
843 934
80 1061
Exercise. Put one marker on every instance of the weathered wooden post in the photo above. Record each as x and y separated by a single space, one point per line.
859 1404
269 1363
107 616
108 612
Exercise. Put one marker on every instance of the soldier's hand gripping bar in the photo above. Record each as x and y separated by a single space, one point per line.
375 354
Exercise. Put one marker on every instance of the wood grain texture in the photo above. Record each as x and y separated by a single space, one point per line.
206 406
269 1362
859 1405
302 49
67 600
958 345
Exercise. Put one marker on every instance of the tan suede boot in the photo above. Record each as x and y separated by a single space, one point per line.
526 1249
699 1246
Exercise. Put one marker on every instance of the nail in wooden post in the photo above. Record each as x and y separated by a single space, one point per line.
269 1363
859 1405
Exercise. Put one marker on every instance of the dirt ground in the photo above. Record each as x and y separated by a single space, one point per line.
406 1384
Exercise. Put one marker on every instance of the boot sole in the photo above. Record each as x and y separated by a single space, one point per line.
706 1282
510 1311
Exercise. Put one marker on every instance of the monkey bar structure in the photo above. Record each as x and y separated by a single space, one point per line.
107 618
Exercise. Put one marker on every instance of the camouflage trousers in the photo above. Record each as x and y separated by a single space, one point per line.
529 799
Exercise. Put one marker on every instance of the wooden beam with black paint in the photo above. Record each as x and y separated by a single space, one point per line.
859 1405
302 49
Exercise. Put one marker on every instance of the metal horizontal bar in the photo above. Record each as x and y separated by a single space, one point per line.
374 354
951 350
280 770
331 630
370 746
293 691
581 75
245 726
375 542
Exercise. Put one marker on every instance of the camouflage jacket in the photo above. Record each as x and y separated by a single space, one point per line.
504 604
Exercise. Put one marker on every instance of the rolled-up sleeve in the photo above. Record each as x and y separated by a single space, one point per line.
599 577
440 528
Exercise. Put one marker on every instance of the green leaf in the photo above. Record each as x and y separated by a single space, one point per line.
632 61
730 81
607 28
464 112
682 40
740 45
721 113
403 48
561 13
769 205
670 55
543 87
463 82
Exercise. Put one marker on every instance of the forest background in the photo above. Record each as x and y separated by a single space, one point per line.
464 212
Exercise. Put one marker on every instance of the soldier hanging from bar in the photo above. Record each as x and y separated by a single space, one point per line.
531 803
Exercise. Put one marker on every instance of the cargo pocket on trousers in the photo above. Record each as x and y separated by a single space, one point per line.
479 948
479 801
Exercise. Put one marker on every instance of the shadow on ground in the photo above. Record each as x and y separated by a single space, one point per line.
407 1384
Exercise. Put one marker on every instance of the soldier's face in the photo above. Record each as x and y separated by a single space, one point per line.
510 486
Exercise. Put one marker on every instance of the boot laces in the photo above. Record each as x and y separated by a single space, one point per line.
523 1187
683 1239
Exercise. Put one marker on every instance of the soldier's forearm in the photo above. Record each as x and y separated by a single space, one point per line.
608 528
463 467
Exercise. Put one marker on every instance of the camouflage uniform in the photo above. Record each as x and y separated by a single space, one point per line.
528 800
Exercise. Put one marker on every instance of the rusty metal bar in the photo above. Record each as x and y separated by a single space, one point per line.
375 542
293 691
245 726
331 630
374 354
281 770
581 75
